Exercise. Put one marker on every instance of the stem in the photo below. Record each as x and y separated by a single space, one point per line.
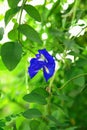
67 82
20 17
51 82
26 79
28 49
24 1
74 10
49 98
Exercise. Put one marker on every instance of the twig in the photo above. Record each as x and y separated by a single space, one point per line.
67 82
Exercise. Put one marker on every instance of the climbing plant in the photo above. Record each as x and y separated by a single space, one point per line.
43 65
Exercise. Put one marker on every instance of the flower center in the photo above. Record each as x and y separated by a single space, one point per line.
42 58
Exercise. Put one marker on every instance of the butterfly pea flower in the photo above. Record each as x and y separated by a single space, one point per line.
44 61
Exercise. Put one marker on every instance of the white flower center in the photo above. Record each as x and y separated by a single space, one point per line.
42 58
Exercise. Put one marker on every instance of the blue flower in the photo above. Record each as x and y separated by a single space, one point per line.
43 61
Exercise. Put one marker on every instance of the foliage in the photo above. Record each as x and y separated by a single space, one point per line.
60 27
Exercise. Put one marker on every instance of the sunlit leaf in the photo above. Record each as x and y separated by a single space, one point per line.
32 113
54 7
11 53
13 3
10 14
13 34
29 32
33 12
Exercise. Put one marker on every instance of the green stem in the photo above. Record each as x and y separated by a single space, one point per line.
26 78
77 76
28 49
49 98
19 38
51 82
74 10
23 3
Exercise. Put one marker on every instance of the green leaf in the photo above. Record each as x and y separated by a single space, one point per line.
13 3
52 118
11 53
35 98
1 128
13 34
73 72
2 66
1 33
82 62
8 118
29 32
72 128
80 81
32 113
44 126
10 14
33 12
41 91
54 7
38 95
34 124
2 123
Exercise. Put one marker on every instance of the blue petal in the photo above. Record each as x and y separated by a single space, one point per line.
47 56
34 67
48 70
43 60
49 67
38 56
